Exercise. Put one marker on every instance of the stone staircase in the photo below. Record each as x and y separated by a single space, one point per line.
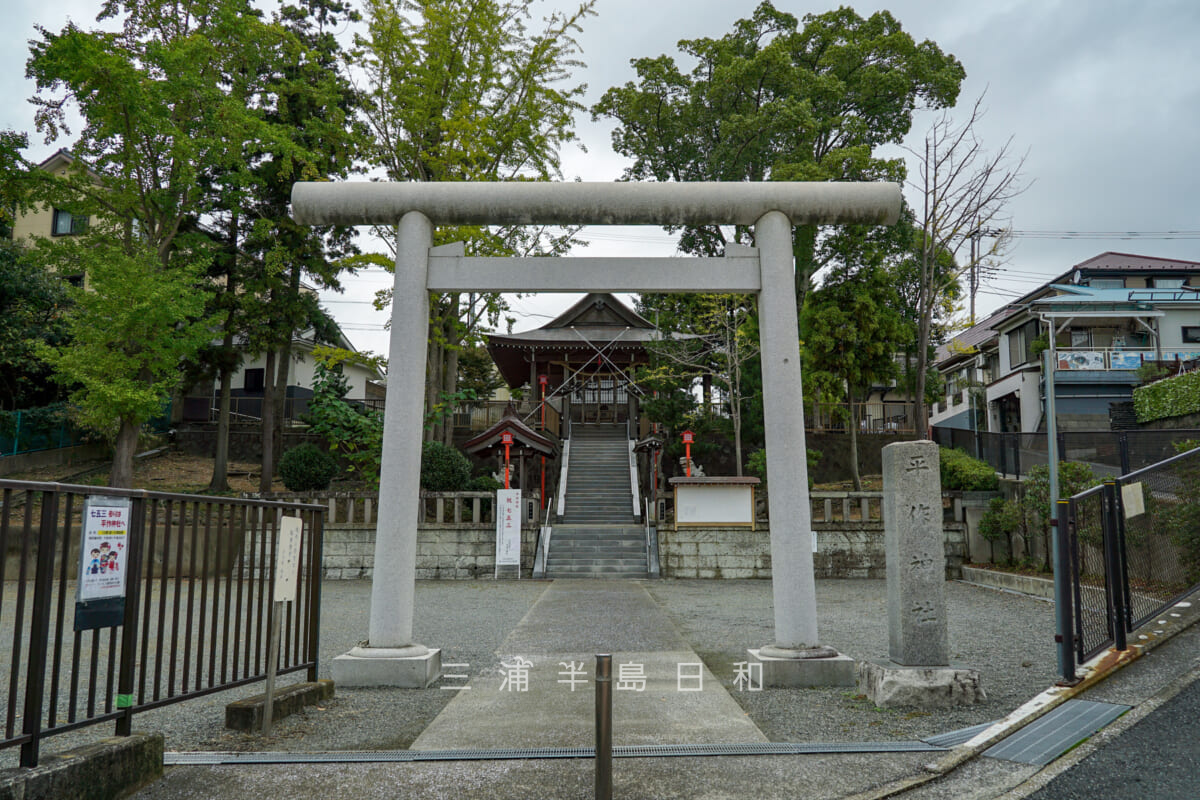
598 536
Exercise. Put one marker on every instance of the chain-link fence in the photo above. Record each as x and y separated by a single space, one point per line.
33 429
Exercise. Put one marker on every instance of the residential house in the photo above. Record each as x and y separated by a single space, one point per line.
1110 314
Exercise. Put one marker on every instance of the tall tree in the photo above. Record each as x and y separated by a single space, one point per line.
720 346
310 107
128 330
963 187
852 330
774 101
464 91
158 116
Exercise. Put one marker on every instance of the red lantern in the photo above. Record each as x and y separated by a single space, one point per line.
507 439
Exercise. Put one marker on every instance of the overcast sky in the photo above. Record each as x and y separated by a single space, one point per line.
1103 95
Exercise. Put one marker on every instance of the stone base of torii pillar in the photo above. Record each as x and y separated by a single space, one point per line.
414 667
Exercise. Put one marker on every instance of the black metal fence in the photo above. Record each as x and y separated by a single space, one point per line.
1110 453
1132 548
195 619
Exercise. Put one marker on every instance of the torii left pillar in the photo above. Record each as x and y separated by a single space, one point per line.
390 657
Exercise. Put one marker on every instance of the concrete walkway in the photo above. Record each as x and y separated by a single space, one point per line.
543 695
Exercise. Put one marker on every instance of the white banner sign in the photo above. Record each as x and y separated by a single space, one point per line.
104 548
508 527
287 560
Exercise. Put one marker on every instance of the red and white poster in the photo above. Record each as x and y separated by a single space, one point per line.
104 551
508 527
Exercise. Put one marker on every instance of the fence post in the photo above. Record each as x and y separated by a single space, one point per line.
1123 445
317 532
17 436
1112 566
1064 580
39 630
129 625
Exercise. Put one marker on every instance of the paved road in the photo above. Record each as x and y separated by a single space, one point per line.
1159 757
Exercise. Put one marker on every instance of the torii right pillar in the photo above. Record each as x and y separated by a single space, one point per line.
795 658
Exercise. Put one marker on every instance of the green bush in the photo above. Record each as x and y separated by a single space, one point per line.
307 468
1172 397
483 483
963 472
443 469
756 464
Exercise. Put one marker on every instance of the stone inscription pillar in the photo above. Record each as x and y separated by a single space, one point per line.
916 557
792 582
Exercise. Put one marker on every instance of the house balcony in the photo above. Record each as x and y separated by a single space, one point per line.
1099 359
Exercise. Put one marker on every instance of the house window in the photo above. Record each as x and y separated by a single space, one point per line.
1107 283
67 224
254 379
1168 283
1020 344
1191 334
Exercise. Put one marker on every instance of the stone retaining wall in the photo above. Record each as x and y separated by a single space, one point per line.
443 553
844 550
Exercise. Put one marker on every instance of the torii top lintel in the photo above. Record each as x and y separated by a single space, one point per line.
595 203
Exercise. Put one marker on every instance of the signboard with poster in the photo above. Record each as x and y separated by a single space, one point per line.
508 528
103 558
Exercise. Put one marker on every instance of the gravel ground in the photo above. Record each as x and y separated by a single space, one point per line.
1008 638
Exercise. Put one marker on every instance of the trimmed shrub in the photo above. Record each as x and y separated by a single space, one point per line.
1172 397
484 483
965 473
307 468
443 469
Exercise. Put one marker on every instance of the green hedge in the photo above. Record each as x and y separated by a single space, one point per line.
965 473
1172 397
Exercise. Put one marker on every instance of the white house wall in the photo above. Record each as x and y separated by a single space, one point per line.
302 371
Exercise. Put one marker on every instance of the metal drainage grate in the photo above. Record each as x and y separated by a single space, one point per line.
960 736
1046 739
633 751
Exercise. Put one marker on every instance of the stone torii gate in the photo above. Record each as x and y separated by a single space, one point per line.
391 657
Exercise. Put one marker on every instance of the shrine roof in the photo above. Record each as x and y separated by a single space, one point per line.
523 437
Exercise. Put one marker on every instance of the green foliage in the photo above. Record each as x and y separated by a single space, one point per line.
1151 371
443 468
483 483
1073 478
961 471
353 431
307 468
756 464
128 332
1002 519
1179 517
1172 397
1040 344
32 306
772 100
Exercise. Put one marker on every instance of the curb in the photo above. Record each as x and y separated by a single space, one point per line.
1099 668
